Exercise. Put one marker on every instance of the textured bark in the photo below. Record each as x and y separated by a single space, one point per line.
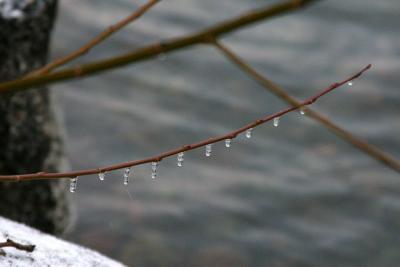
30 139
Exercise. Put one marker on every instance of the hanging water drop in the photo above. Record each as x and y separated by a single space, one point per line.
302 111
228 142
154 165
208 150
162 56
276 121
102 175
249 132
73 184
126 175
350 83
180 159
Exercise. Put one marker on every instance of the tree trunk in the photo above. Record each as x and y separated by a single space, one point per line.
30 139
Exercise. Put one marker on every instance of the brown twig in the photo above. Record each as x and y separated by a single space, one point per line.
95 41
155 49
231 135
372 151
11 243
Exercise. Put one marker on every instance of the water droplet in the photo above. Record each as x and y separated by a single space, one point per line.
276 121
154 165
228 142
102 175
162 56
350 83
126 175
302 111
249 132
73 184
180 159
208 150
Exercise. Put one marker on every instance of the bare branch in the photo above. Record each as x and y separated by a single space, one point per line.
11 243
95 41
370 150
231 135
154 49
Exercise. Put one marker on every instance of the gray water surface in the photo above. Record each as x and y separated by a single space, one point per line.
295 195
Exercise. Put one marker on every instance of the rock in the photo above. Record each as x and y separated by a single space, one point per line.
49 250
30 138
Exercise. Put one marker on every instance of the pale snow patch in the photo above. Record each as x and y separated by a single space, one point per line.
49 250
9 10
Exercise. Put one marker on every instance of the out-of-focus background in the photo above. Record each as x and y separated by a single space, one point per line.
295 195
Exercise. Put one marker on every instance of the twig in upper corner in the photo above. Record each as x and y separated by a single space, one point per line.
95 41
153 49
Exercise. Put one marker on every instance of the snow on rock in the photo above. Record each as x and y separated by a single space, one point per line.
16 9
49 250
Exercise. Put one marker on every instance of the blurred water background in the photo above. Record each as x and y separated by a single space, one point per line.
295 195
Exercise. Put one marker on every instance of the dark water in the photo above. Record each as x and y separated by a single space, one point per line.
295 195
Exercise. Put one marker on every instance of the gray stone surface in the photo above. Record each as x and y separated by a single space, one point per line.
30 138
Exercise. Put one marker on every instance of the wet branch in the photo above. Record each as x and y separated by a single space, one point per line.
269 85
157 158
157 48
95 41
19 246
207 36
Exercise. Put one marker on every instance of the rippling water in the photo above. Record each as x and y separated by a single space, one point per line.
295 195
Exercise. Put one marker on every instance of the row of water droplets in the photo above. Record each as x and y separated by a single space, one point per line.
127 171
180 159
180 156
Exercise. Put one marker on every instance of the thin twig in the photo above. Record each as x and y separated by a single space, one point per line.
95 41
155 49
370 150
11 243
231 135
